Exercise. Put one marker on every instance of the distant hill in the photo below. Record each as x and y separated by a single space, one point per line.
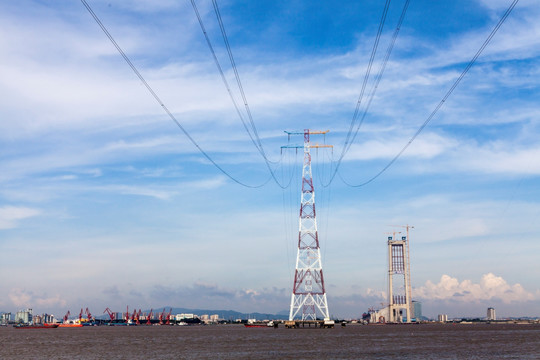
226 314
223 314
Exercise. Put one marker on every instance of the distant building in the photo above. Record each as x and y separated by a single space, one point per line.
491 314
36 319
442 318
417 310
24 316
214 318
5 318
180 317
47 318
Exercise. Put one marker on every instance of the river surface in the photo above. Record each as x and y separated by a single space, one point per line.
425 341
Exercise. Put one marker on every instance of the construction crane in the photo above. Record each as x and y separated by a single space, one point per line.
148 321
111 314
66 316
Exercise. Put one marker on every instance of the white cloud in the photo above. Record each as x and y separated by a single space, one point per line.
501 158
426 147
82 115
503 4
490 287
11 215
22 298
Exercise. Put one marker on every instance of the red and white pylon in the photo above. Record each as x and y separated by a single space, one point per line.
308 298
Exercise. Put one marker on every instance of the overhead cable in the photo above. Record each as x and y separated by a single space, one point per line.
350 141
155 96
366 76
381 72
446 96
253 133
237 76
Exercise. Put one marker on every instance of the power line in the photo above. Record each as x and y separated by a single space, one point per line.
348 143
446 96
237 76
155 96
254 137
381 70
366 76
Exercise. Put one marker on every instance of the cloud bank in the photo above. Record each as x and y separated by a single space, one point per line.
11 215
490 287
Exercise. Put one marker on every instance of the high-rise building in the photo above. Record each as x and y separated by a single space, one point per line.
442 318
5 318
417 310
24 316
491 314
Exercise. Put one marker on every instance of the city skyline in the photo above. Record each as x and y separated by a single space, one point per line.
104 202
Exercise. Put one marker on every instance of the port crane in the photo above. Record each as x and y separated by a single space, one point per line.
110 313
127 314
66 316
161 317
168 318
148 321
136 316
89 315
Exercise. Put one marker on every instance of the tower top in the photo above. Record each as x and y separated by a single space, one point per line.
308 131
307 143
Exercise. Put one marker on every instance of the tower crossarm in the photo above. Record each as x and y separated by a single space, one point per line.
314 146
313 132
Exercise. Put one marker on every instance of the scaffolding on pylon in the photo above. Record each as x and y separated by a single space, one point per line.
399 301
308 294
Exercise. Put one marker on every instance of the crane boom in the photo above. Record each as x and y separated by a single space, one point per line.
110 313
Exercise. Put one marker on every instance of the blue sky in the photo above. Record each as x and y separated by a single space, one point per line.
105 203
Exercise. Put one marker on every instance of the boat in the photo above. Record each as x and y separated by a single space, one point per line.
70 325
260 324
256 325
36 326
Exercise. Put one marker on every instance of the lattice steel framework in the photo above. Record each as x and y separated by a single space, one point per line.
398 265
308 295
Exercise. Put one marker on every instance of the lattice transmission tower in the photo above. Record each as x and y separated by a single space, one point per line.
308 294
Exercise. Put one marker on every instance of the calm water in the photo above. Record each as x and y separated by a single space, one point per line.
236 342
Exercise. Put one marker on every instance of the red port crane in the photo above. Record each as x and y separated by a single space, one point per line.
80 316
126 315
89 315
111 314
66 316
161 317
148 322
168 322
